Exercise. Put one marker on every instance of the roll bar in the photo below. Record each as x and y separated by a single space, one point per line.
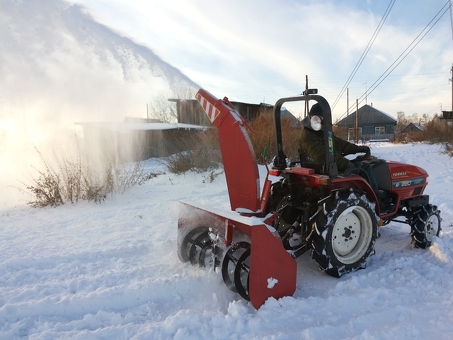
280 160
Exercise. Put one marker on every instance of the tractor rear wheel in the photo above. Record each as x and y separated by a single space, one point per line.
346 230
425 224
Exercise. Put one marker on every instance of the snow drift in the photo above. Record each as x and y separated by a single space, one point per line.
111 270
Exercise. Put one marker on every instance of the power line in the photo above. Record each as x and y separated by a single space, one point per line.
406 52
365 52
451 22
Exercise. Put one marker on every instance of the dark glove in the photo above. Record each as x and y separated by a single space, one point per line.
364 149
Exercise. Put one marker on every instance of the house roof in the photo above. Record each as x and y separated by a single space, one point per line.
134 126
243 109
368 115
285 114
413 127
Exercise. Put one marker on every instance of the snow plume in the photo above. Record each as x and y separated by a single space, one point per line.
57 67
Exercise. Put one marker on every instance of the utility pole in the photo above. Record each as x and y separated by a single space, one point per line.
356 121
306 91
347 101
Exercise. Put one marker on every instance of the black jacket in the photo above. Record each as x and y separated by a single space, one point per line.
311 143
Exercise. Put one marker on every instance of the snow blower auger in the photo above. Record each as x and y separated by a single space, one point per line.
312 207
242 242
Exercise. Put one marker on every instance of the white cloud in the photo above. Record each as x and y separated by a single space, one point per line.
381 58
256 49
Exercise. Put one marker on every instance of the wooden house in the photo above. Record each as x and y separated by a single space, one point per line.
373 124
138 138
447 118
189 111
412 128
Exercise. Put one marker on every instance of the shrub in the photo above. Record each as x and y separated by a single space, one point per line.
263 135
69 178
202 153
433 132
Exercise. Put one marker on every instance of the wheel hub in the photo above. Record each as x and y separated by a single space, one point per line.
351 235
348 232
345 234
432 226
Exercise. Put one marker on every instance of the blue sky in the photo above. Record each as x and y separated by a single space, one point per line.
261 50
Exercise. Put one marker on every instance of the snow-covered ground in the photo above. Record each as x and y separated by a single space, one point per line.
111 271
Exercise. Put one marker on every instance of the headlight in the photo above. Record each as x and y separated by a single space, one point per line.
316 123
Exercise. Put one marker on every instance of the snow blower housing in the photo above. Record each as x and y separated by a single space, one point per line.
312 207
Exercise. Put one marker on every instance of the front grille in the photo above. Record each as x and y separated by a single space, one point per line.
417 191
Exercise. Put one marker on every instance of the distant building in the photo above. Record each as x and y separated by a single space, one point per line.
140 138
137 139
189 111
412 128
373 124
447 118
285 114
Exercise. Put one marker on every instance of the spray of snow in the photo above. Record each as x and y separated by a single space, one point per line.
58 66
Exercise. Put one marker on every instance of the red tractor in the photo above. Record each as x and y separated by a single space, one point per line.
312 207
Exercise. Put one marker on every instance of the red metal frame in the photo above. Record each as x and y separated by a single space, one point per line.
237 152
406 179
273 270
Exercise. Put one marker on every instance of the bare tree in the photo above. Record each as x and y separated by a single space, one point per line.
161 108
165 110
402 121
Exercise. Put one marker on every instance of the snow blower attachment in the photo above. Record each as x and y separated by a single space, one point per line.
242 242
312 207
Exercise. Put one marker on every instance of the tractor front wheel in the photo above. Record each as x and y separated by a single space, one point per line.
346 230
425 224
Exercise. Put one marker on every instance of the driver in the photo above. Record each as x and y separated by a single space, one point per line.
311 144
